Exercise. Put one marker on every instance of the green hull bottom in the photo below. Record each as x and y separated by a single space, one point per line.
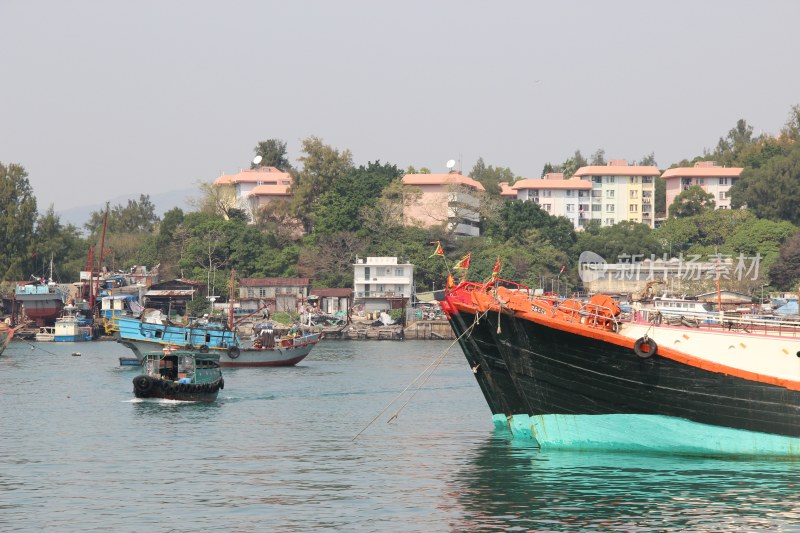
646 433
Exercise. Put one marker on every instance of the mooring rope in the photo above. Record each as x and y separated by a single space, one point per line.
432 367
36 347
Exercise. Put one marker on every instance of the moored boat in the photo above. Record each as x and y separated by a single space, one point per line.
179 375
6 334
263 348
72 327
590 378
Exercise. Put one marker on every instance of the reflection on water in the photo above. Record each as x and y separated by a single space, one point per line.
510 484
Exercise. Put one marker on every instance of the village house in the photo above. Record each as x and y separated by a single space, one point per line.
558 197
382 283
273 294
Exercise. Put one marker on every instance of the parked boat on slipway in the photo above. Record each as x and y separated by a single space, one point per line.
580 375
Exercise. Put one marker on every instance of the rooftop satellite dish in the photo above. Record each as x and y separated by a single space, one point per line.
257 159
451 164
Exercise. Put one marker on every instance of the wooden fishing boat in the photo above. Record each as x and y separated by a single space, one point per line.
179 375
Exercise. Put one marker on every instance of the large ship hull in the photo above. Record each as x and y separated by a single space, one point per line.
586 388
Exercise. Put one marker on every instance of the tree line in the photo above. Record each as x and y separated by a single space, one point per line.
339 210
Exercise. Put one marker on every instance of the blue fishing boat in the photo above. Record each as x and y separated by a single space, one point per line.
179 375
265 347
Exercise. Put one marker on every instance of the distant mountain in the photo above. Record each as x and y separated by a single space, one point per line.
163 202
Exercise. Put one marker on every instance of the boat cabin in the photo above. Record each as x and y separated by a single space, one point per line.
179 365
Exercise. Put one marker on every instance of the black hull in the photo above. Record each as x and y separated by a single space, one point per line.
488 366
556 372
150 387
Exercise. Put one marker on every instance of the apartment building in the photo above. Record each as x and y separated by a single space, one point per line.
711 177
621 192
559 197
449 199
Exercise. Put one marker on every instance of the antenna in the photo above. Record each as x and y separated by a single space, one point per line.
451 164
257 159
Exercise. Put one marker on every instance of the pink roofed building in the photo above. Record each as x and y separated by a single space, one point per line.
446 199
559 197
621 192
711 177
257 187
507 190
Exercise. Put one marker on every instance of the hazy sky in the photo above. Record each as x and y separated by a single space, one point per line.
104 98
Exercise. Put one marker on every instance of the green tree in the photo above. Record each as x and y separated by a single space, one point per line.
63 243
517 217
676 235
17 220
322 165
598 158
273 154
135 217
571 165
785 272
773 190
340 206
693 201
619 242
491 177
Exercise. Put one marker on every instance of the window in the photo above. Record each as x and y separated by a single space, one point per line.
398 272
583 194
609 179
609 208
634 180
262 292
251 292
570 192
597 193
647 179
597 179
610 193
570 208
633 208
723 195
634 194
547 193
610 222
534 193
685 182
546 207
647 194
597 207
700 181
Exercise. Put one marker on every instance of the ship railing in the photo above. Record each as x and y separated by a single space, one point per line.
780 327
589 312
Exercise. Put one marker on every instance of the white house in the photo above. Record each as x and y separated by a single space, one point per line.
381 283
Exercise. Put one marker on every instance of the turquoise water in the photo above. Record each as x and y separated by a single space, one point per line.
276 453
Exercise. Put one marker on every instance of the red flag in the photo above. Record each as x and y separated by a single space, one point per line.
496 269
439 250
450 282
464 263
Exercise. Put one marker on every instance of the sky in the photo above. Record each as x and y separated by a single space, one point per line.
100 99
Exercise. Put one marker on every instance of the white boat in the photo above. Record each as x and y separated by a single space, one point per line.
45 334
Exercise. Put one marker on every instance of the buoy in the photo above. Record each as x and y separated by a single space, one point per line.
76 354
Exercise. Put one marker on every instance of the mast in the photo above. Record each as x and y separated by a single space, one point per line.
230 302
100 258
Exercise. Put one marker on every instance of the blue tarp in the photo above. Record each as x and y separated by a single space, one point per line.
789 309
